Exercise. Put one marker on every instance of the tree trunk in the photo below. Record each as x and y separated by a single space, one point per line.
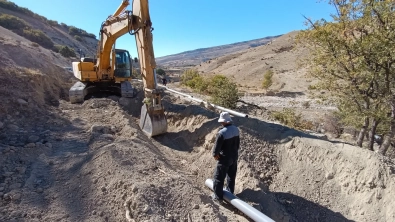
372 133
362 132
387 138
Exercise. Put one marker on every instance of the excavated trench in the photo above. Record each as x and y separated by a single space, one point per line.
287 174
192 131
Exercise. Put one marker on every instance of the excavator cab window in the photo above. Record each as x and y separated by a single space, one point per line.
122 64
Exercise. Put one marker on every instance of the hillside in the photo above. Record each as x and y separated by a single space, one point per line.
195 57
59 34
248 67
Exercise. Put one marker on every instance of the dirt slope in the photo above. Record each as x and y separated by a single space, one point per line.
32 78
248 67
58 34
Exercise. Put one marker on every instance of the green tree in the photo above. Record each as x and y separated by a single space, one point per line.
161 72
353 59
223 91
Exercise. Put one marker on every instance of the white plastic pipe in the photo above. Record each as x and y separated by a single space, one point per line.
247 209
234 113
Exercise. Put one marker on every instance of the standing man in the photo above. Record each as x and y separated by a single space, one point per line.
164 81
226 152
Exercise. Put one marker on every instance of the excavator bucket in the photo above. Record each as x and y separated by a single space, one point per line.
153 122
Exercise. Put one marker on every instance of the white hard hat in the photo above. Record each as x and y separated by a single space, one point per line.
224 117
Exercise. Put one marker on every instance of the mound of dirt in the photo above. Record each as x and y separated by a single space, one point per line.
325 181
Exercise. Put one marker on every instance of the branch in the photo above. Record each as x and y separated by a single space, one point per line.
309 21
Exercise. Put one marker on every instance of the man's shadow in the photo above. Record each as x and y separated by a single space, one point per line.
289 207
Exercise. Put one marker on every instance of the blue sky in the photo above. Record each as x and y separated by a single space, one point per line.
182 25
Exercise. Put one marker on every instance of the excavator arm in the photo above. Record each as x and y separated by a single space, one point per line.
152 119
121 8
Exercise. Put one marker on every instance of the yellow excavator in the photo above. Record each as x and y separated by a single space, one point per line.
111 70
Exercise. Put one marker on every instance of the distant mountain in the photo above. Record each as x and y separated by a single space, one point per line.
195 57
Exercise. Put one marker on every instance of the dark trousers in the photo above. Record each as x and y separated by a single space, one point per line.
224 169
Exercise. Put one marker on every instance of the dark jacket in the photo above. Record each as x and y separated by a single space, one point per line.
227 143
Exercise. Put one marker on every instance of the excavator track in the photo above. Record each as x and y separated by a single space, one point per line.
80 90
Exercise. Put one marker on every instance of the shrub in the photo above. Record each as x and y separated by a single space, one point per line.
267 79
53 22
66 51
78 38
188 75
64 25
38 36
20 27
161 72
312 87
289 117
223 92
333 124
35 44
13 7
76 31
90 35
306 104
12 23
56 48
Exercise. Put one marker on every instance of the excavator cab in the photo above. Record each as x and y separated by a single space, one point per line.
122 64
